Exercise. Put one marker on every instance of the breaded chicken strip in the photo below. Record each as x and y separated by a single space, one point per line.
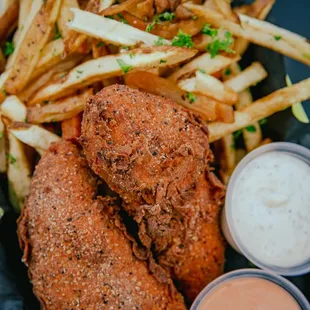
156 155
77 249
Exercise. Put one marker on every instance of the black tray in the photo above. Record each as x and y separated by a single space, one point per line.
15 289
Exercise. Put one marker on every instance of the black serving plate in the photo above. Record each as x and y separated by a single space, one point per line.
15 289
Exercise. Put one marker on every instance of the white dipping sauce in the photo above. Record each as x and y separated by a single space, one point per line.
271 209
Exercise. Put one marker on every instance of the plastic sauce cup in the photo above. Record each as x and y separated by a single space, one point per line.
230 277
229 227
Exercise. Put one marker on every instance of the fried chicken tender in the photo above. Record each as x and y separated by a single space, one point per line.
77 249
155 155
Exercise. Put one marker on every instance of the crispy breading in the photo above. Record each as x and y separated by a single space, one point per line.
155 155
77 249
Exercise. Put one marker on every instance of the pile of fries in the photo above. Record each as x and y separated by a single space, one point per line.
56 53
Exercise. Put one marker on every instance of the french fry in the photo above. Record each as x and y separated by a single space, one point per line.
277 101
3 165
19 172
71 128
34 40
14 109
265 141
119 8
204 62
210 86
114 65
207 108
36 5
33 135
252 75
109 30
8 16
3 78
224 7
37 82
258 9
59 110
259 32
65 15
99 49
104 4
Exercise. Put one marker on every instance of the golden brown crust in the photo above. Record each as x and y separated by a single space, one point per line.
77 249
156 155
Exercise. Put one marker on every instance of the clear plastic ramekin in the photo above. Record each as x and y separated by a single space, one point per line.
253 273
228 227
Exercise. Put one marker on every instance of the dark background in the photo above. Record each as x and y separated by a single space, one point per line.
15 289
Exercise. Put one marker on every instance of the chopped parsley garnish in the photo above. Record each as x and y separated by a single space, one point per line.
250 128
162 61
100 44
3 91
207 30
159 41
195 17
57 33
11 159
8 48
237 134
122 19
278 38
125 68
191 97
227 71
163 17
220 45
79 71
132 55
126 48
202 71
263 121
183 39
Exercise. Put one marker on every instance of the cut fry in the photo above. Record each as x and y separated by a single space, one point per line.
3 78
3 165
33 135
65 15
8 16
19 172
24 9
14 109
109 30
224 7
60 110
206 63
277 101
34 40
210 86
252 75
104 4
207 108
259 32
71 128
119 8
114 65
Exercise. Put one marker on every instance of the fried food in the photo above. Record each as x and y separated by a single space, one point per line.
77 249
155 155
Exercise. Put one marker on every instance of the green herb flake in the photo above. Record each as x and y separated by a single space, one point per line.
132 55
207 30
202 71
251 128
159 41
125 68
191 97
79 71
1 134
277 38
166 16
183 39
219 44
227 71
11 159
109 17
3 91
122 19
162 61
8 48
195 17
100 44
263 121
57 33
237 134
126 48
